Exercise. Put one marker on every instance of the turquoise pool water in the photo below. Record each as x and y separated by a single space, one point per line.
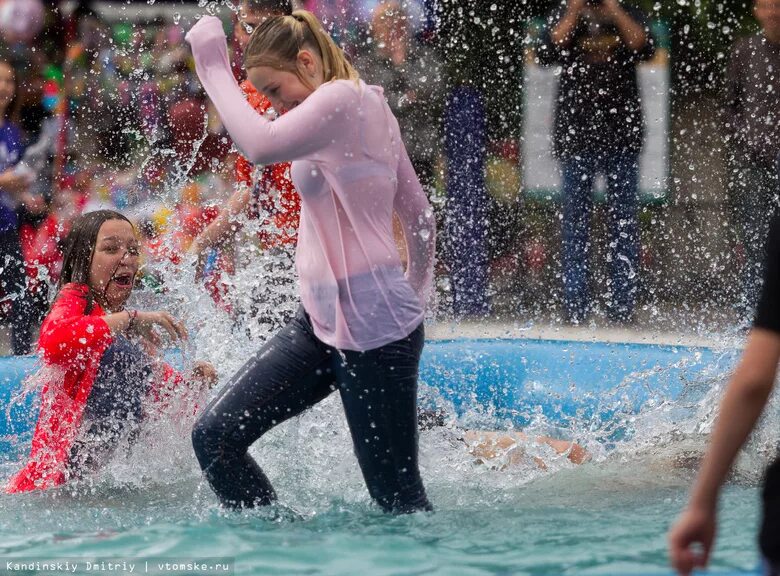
641 411
563 525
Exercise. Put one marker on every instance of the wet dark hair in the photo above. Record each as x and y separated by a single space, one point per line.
79 247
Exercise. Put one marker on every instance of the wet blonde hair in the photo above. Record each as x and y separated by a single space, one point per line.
277 42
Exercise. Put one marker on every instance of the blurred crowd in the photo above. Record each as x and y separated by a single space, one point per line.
106 112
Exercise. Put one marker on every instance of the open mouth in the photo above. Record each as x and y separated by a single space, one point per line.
123 279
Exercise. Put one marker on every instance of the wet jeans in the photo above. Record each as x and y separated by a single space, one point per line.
115 406
295 370
621 171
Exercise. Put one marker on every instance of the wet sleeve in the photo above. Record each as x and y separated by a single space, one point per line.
68 336
768 312
308 128
419 225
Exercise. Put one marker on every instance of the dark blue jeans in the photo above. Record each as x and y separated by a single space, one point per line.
466 230
295 370
621 172
115 405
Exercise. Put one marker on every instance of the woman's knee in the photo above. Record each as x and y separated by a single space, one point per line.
209 439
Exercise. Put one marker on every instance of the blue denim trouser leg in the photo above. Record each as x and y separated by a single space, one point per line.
622 176
577 189
621 172
295 370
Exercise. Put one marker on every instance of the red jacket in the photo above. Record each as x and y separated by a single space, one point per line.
285 209
71 344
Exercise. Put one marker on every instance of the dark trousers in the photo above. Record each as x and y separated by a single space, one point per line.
621 171
114 408
467 202
756 198
295 370
13 285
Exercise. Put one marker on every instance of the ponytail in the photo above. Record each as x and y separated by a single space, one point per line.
277 42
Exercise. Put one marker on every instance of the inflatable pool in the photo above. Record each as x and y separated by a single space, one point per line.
606 518
495 382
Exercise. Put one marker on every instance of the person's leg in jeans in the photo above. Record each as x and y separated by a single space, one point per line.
13 284
577 191
290 373
379 392
622 175
758 195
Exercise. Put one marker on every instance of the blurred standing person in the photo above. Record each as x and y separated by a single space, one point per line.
599 129
268 195
14 194
753 124
38 234
411 75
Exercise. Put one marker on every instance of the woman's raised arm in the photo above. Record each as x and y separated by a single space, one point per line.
307 128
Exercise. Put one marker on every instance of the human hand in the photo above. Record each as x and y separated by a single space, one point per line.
204 373
696 526
206 28
208 43
145 324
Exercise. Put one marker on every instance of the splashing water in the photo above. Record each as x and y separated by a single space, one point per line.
605 517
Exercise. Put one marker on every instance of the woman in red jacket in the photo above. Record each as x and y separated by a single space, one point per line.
99 368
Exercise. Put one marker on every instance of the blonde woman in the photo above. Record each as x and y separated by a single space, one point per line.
359 330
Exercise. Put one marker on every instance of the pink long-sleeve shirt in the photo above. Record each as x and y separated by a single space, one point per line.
352 171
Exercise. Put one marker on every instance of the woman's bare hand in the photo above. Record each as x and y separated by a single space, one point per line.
147 325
